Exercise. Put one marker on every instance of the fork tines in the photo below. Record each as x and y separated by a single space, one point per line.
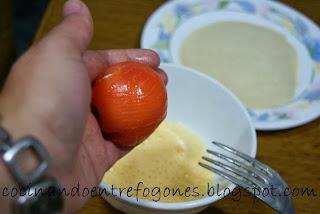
244 173
249 173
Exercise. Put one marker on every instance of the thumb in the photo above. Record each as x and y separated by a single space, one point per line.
73 34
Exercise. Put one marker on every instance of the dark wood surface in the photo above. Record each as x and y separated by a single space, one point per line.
6 38
294 153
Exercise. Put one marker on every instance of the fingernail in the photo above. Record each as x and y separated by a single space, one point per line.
72 6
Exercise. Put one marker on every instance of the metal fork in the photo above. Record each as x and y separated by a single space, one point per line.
252 175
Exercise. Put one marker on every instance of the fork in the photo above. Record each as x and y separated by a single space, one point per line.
251 175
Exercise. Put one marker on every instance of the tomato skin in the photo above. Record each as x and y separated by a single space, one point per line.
131 101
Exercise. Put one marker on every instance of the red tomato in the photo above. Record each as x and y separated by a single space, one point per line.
131 100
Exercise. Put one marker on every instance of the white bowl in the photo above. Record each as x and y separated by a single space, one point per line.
210 110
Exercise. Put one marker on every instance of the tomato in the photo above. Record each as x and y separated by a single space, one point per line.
131 101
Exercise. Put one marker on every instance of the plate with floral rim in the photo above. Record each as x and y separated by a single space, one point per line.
162 25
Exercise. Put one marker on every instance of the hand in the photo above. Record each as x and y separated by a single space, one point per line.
48 93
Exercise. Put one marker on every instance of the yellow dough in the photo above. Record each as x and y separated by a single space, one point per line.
167 159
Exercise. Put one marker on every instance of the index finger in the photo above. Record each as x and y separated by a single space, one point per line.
96 60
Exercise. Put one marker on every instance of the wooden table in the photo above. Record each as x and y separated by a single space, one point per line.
294 153
6 39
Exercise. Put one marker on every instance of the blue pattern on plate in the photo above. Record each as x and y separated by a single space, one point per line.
246 6
164 35
182 10
313 46
263 116
313 96
300 27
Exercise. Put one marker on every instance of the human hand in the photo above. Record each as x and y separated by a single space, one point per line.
48 94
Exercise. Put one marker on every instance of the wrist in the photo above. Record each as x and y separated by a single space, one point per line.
20 124
17 160
8 184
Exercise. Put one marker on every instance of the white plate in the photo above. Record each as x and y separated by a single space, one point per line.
179 16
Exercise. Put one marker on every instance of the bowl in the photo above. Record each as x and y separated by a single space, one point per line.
208 108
